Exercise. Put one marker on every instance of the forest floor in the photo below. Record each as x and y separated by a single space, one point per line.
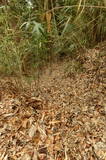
61 117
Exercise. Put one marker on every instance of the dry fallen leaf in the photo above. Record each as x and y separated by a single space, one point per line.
26 157
32 131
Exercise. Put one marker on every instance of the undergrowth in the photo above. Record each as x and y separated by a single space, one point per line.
33 34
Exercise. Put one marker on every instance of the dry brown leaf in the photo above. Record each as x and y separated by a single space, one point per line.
25 123
36 138
35 155
26 157
32 131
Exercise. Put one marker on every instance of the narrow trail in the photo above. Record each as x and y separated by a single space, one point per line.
64 119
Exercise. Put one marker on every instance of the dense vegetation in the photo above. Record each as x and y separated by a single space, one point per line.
33 33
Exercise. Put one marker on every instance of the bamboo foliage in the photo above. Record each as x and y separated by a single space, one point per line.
41 28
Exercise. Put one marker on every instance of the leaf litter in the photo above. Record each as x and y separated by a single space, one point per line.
65 121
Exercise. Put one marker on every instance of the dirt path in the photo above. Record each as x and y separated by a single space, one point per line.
63 120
